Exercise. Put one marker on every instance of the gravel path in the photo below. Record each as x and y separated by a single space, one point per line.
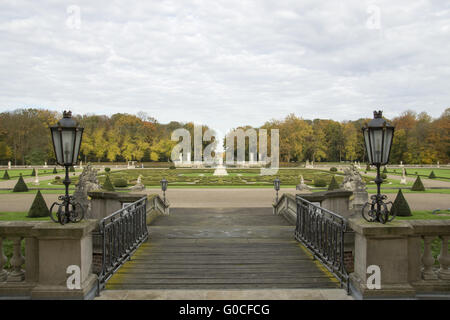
225 198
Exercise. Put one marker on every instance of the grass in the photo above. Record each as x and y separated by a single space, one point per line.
441 174
15 173
427 215
19 216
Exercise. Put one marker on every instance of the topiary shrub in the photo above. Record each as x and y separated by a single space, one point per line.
54 170
406 172
71 169
6 175
418 185
400 207
383 176
333 184
432 175
320 183
385 170
39 207
172 167
33 173
368 167
120 183
108 185
333 169
107 169
20 186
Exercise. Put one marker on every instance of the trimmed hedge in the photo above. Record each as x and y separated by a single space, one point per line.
418 185
385 170
320 183
107 169
432 175
54 170
120 183
33 173
39 207
71 169
6 175
333 169
400 206
20 186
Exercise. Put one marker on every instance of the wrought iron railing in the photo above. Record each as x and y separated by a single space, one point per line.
322 232
120 234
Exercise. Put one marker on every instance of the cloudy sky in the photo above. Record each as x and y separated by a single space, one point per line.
226 63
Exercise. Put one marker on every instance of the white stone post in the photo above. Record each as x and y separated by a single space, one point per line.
17 274
427 259
9 164
36 178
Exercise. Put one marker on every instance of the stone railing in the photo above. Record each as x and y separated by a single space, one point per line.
406 270
52 253
287 207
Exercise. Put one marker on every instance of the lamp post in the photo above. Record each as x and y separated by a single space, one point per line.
378 135
276 186
66 138
164 184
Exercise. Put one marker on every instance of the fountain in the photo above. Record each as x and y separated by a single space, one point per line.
220 169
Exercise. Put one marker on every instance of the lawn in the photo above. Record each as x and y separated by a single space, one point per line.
26 173
441 174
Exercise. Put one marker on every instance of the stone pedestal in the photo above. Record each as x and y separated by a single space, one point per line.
59 247
385 246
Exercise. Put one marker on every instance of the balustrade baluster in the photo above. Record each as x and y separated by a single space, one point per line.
444 259
17 274
427 259
3 260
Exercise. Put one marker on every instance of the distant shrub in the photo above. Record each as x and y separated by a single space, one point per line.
333 169
368 167
54 170
172 167
385 170
57 178
432 175
384 176
20 185
39 207
320 183
71 169
107 169
418 185
120 183
6 175
33 173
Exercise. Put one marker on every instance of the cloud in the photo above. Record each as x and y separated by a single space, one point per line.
226 63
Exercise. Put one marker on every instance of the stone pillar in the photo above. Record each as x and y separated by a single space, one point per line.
385 246
9 164
59 247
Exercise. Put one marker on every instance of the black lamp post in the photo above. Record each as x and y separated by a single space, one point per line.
378 135
66 138
164 184
276 186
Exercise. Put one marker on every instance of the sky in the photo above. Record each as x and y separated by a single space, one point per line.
226 63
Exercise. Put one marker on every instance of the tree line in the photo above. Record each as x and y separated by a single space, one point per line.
25 138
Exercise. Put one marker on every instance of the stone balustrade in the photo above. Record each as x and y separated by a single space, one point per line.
406 269
50 249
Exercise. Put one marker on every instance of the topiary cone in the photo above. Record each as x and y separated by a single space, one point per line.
333 184
400 207
418 185
39 207
108 185
20 186
432 175
6 175
33 173
54 170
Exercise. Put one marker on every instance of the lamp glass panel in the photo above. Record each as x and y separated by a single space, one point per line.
376 137
68 139
57 145
366 141
79 133
388 135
